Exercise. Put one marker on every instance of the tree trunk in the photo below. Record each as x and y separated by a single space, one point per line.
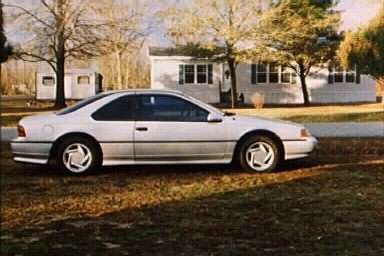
119 70
302 74
304 89
380 89
127 84
232 69
60 57
60 73
1 81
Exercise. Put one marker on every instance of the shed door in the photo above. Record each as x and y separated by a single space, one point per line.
68 87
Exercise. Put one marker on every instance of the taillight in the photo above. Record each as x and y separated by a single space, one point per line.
20 131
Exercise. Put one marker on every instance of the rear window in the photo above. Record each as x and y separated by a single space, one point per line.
81 104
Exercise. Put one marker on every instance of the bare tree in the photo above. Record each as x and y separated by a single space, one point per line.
135 70
219 28
5 47
18 77
57 30
125 36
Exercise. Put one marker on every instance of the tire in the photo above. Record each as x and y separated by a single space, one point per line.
260 154
78 156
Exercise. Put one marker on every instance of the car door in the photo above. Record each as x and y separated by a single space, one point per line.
171 128
114 125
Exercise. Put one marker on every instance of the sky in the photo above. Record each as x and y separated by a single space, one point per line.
354 14
358 12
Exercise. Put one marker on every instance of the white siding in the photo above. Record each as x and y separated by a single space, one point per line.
77 91
322 92
44 92
273 92
165 75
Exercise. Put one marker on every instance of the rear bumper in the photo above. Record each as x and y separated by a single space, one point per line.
30 152
299 148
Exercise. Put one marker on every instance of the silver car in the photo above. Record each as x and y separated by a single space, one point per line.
155 127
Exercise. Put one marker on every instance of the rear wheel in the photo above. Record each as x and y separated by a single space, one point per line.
78 156
260 154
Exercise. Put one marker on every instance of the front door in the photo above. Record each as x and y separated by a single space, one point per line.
114 125
169 128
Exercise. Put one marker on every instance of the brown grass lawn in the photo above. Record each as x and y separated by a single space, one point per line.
332 113
331 203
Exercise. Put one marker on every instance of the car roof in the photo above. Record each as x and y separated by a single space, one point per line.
144 90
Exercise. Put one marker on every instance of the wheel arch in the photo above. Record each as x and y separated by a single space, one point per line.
250 134
61 139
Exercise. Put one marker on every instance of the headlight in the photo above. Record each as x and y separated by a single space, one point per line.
304 133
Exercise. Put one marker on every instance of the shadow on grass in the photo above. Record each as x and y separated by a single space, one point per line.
327 204
336 211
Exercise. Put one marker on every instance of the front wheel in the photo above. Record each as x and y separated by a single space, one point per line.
260 154
78 156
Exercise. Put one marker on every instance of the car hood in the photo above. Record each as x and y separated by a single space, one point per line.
241 124
264 120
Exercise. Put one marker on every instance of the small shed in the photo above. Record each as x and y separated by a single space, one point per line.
78 84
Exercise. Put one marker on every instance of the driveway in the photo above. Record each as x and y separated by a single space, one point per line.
372 129
8 133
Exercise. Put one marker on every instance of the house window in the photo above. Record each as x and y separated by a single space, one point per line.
350 75
195 74
285 74
272 73
83 80
189 71
48 80
261 73
201 74
340 75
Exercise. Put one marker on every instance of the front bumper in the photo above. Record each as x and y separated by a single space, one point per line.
34 152
299 148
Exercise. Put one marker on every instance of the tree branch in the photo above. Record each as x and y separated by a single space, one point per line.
30 14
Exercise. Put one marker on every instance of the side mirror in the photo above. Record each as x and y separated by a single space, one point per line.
214 118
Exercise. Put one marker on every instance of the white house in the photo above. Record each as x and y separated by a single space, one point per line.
78 84
210 81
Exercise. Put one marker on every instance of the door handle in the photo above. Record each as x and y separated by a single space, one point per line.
141 129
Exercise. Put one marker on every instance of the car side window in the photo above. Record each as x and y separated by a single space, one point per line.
169 108
121 109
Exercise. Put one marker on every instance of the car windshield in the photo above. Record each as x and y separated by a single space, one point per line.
81 104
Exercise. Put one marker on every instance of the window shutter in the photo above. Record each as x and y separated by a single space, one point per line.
253 74
330 75
358 77
181 74
210 80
